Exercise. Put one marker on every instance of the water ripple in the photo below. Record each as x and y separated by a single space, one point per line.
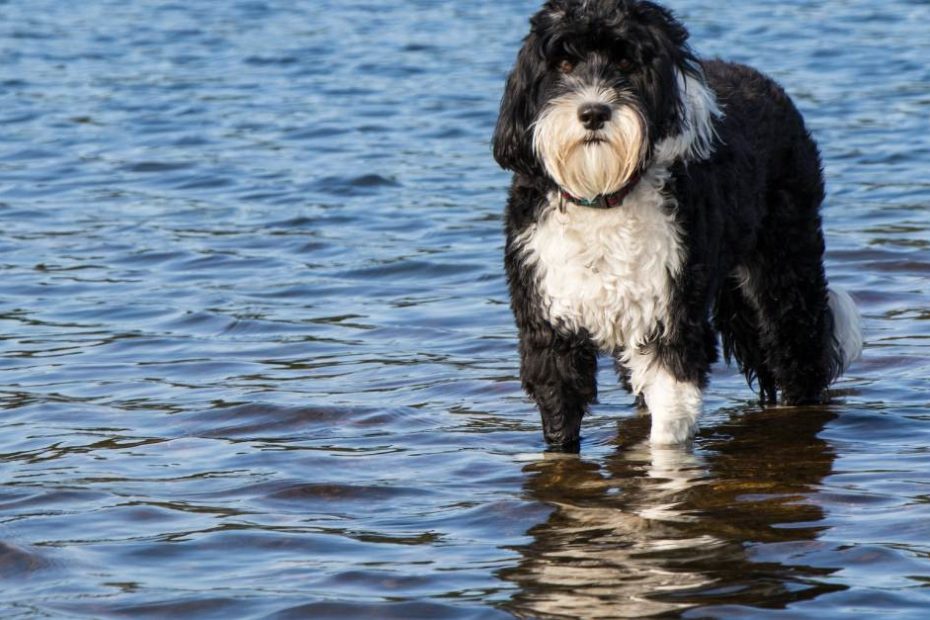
258 359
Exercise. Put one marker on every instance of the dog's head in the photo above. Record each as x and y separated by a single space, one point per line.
600 89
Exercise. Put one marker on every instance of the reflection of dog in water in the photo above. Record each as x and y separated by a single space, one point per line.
653 190
654 530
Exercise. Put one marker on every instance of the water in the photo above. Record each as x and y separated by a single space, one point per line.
257 359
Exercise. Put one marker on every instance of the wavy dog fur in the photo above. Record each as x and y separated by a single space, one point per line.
718 232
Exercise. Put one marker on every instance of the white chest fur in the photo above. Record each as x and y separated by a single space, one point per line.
607 271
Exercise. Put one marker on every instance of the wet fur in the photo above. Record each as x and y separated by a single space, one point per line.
721 236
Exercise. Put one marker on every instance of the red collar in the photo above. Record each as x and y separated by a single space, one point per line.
605 201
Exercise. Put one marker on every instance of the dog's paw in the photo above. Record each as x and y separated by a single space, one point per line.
672 432
675 407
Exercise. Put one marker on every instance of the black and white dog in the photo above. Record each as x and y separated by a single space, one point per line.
658 198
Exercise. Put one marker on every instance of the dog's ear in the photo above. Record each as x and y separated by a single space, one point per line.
667 54
664 19
513 136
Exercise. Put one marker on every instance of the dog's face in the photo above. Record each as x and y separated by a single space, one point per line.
596 86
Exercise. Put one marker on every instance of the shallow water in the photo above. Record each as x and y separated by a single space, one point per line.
257 359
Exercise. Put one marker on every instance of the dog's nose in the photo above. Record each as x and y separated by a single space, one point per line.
593 115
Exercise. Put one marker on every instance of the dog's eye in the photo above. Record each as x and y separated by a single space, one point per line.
625 64
566 66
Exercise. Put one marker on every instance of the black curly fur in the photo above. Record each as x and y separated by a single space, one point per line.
753 204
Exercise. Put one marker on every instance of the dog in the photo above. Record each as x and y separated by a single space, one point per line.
658 200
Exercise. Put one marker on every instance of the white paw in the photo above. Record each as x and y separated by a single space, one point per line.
675 408
674 432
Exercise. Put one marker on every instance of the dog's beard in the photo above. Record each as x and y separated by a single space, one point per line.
587 163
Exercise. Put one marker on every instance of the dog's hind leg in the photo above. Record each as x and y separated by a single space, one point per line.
560 373
785 282
738 324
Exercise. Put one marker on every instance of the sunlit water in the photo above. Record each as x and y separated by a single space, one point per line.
257 359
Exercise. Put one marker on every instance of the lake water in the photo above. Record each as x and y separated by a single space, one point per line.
256 357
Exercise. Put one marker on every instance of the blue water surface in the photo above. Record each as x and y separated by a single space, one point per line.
256 357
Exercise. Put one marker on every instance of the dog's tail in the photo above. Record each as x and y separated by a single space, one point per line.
847 330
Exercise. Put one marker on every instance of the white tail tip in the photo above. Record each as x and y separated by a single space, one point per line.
847 328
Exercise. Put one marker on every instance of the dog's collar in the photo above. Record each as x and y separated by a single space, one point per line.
604 201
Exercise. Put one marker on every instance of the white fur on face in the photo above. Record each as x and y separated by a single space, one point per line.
583 168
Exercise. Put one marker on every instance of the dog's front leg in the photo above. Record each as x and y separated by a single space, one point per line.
675 407
675 402
560 373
